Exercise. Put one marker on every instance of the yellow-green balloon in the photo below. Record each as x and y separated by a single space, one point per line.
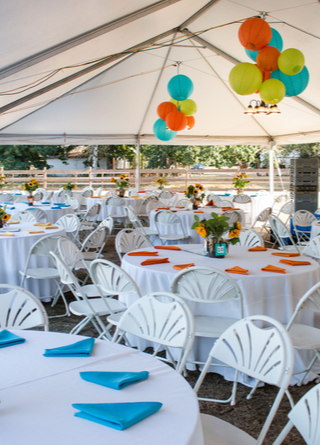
272 91
245 78
188 107
176 102
291 61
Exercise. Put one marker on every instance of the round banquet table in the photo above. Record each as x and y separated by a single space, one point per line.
37 394
264 293
53 214
315 229
187 219
135 203
14 253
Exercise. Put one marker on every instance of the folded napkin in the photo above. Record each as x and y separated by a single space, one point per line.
183 266
162 208
275 269
46 202
11 208
114 380
167 247
295 263
286 254
43 224
7 234
143 192
8 203
257 249
9 339
178 207
116 415
143 253
238 270
25 202
198 211
211 203
31 232
82 348
173 211
13 222
55 207
225 209
151 261
51 227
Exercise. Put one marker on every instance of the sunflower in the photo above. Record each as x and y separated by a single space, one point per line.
200 187
126 179
6 217
33 180
245 176
202 231
239 227
24 187
122 177
112 180
234 233
158 180
65 187
30 184
195 191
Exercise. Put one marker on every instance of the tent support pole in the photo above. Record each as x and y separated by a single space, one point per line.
138 164
272 145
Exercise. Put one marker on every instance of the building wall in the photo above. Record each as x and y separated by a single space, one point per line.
74 164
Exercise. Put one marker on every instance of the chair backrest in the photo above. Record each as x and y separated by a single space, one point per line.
310 302
145 202
185 202
86 193
110 279
250 238
107 222
94 211
226 203
305 417
281 233
70 223
62 193
69 252
115 201
24 217
167 218
38 196
303 218
313 248
263 216
48 196
242 199
233 215
166 194
206 285
132 191
39 214
7 197
128 240
75 204
216 199
18 199
98 191
152 205
167 323
287 208
96 239
281 199
20 309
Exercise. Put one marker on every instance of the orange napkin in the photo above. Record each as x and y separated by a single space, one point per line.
143 253
180 207
183 266
143 192
295 263
287 254
7 234
238 270
43 224
31 232
151 261
257 249
270 268
13 222
211 203
162 208
167 247
51 227
198 211
173 211
225 209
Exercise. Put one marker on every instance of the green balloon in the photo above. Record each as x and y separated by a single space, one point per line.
291 61
272 91
188 107
245 78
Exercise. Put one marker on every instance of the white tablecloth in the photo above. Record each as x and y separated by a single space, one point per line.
53 214
37 393
272 294
315 229
106 211
13 256
187 219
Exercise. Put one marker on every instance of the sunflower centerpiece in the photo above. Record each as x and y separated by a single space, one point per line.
195 194
30 187
161 183
214 231
3 181
122 183
239 182
69 186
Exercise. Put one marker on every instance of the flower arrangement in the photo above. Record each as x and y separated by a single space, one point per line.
4 217
161 182
194 192
69 186
3 182
122 183
216 228
31 186
239 182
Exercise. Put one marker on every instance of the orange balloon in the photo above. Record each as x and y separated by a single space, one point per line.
164 109
176 121
265 76
191 122
254 33
267 58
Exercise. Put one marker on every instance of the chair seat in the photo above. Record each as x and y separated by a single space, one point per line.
175 236
116 215
212 327
91 255
90 290
219 432
114 318
99 307
304 337
148 231
43 273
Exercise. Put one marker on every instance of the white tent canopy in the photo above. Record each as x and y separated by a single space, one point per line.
79 72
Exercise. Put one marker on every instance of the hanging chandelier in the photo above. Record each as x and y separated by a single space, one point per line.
261 108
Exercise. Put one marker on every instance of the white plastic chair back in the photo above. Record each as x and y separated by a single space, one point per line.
107 222
7 197
302 220
98 191
38 196
152 205
216 199
132 191
166 194
280 200
75 204
313 248
20 309
87 193
287 209
24 217
69 252
226 203
167 323
185 202
45 245
250 238
233 215
71 225
94 211
282 234
110 279
62 193
19 199
39 214
115 201
144 204
168 218
128 240
48 196
96 239
263 216
242 199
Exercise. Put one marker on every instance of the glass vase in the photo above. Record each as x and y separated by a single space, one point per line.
214 248
30 200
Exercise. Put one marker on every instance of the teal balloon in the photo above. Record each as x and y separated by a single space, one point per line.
180 87
161 131
296 84
275 41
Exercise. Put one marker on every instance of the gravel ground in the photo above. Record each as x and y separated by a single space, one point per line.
248 415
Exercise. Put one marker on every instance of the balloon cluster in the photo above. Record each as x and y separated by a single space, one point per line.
276 73
177 114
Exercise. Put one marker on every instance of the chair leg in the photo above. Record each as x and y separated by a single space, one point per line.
306 372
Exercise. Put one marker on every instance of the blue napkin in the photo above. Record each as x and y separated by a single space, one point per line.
57 204
25 202
115 380
17 193
46 202
116 415
11 208
81 348
8 203
55 207
9 339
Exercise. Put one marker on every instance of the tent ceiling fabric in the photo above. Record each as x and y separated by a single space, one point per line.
115 101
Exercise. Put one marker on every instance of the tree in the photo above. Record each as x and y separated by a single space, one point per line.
229 155
165 156
297 151
22 157
109 152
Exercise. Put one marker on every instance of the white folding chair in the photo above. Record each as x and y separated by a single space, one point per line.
38 196
250 238
282 235
87 192
132 191
142 212
226 203
24 217
262 218
286 211
313 248
166 219
264 354
39 214
71 225
96 240
75 204
20 199
244 200
166 194
107 222
166 323
47 196
128 240
20 309
302 221
233 216
305 417
113 203
98 192
138 225
184 202
153 205
279 201
216 199
7 197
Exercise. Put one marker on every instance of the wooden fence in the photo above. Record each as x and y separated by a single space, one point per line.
217 179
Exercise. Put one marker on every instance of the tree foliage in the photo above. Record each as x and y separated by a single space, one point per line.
166 156
109 152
